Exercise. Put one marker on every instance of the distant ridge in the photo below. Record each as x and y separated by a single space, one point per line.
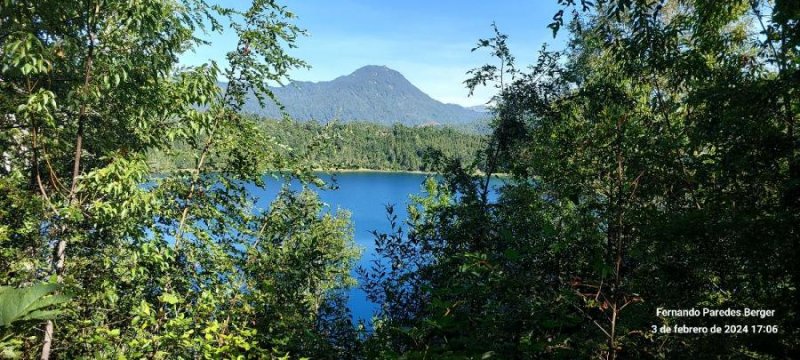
372 93
480 108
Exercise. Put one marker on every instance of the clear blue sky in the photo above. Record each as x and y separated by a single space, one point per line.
427 41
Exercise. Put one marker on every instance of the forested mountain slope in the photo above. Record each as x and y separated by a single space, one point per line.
372 94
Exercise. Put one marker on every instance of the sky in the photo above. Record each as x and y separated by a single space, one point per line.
429 42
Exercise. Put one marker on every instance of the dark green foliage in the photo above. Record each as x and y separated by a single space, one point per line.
654 164
176 265
370 146
353 146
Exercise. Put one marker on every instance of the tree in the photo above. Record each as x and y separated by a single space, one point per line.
160 266
651 165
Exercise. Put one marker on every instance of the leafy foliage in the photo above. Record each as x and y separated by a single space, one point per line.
29 303
350 146
654 165
178 265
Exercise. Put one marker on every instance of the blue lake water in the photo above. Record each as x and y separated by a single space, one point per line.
365 195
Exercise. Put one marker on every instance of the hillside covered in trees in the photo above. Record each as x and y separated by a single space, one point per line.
371 93
371 146
654 169
351 146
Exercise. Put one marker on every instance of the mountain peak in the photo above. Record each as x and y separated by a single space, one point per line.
372 93
373 69
377 71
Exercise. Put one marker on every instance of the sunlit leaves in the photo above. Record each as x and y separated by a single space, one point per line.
103 76
25 53
655 162
35 302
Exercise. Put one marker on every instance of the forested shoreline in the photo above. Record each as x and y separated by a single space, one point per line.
352 146
653 163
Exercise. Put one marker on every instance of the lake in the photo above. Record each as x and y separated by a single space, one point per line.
365 195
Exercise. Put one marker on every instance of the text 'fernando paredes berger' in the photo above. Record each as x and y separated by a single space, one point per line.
707 312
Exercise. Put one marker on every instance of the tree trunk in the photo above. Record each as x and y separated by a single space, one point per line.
61 249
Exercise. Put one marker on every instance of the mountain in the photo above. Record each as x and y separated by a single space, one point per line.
480 108
374 94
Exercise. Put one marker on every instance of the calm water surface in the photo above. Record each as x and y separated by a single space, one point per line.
365 195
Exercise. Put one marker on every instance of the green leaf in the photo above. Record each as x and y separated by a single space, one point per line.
18 304
169 298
